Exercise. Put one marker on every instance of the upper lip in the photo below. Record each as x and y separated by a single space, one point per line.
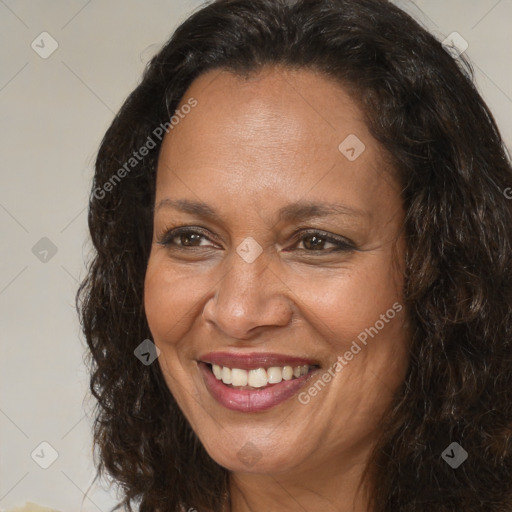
254 360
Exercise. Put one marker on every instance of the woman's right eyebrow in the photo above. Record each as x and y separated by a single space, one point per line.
185 205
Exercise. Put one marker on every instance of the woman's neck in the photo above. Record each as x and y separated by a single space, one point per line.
334 486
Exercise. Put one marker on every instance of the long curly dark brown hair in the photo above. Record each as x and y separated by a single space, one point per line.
421 105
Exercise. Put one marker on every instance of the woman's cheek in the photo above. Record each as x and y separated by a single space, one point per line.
342 304
173 297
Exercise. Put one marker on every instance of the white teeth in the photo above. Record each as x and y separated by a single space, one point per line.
275 375
217 371
258 377
226 375
239 377
287 373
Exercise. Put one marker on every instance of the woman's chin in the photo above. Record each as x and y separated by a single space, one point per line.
253 461
251 457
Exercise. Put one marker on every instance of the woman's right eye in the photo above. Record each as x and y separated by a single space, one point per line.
185 237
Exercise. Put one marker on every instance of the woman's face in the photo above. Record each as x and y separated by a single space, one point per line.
291 257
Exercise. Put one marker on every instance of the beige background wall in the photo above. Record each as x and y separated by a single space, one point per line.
54 112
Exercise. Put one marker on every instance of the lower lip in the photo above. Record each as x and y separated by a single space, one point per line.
247 400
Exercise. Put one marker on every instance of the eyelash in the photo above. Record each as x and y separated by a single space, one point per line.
342 244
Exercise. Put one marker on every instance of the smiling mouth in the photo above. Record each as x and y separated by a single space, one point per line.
258 378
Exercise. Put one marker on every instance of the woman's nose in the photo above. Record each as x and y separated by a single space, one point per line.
249 298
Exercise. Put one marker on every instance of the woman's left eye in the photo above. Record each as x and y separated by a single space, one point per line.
318 241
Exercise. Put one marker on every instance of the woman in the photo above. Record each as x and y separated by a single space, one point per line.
302 206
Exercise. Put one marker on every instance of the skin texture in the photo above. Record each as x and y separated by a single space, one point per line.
250 147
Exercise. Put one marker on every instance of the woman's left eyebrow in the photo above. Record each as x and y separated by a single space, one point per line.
308 210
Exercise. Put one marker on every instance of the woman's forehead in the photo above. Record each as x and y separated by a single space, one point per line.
276 97
273 139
